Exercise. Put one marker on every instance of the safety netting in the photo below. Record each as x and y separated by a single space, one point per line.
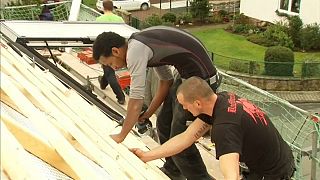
59 10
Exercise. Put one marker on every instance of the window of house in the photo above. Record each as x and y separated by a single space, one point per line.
284 4
295 6
290 5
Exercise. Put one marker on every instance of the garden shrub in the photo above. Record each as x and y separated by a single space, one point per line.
310 37
242 66
241 28
310 69
169 17
241 19
153 20
278 34
222 13
245 29
184 18
279 61
260 39
216 19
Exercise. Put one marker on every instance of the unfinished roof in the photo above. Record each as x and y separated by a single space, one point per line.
55 124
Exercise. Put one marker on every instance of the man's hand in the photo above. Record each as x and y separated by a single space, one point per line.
139 153
143 117
118 138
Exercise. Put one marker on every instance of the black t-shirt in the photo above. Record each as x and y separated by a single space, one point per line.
240 126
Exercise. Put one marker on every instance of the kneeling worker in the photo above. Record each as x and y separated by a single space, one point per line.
241 131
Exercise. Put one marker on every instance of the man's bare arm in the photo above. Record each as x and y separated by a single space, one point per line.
162 92
176 144
133 112
229 165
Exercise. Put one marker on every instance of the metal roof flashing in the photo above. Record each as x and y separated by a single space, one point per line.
60 34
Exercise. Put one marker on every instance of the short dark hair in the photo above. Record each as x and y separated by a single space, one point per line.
104 43
107 5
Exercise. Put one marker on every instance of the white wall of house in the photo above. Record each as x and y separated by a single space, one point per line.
266 10
310 11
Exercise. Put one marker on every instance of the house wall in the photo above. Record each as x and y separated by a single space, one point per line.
266 10
311 11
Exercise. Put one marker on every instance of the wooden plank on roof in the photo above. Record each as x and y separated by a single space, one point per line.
36 145
63 147
98 116
15 159
5 99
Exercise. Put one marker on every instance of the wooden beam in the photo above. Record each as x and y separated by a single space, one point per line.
15 159
63 147
36 145
5 99
90 117
4 175
99 121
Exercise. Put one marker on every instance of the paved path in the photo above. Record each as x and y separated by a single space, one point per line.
298 96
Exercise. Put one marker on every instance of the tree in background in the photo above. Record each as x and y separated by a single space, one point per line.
295 26
200 9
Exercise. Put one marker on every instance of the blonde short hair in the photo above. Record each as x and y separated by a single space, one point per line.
194 88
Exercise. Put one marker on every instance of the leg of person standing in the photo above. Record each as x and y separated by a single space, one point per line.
110 76
164 120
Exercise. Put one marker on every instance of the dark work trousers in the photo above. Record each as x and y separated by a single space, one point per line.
109 77
170 122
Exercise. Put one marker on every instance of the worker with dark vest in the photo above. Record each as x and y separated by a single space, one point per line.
160 47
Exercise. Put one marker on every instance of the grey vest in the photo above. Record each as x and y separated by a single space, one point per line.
175 47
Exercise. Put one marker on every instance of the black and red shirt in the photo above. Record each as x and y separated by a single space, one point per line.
241 127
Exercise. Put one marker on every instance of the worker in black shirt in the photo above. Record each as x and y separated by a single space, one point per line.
240 130
159 47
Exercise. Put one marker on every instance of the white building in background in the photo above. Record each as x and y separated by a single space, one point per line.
266 10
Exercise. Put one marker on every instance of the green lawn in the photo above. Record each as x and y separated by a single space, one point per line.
90 3
222 42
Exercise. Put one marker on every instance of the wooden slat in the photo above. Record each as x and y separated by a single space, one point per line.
36 145
85 110
5 99
99 122
83 114
63 147
15 159
4 176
